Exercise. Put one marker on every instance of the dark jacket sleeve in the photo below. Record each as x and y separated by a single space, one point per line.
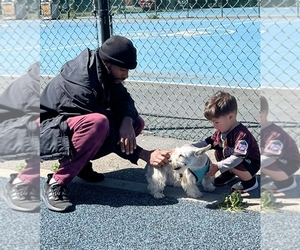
49 102
19 109
77 91
122 103
22 97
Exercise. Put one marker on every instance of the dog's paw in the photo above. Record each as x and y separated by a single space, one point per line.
209 188
195 195
176 184
158 195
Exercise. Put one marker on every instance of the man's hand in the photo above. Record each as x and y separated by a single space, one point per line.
213 169
127 136
156 158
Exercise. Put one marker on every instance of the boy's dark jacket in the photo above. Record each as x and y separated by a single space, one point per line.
19 110
79 89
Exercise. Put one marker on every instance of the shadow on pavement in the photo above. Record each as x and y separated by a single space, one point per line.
128 187
128 174
98 195
138 175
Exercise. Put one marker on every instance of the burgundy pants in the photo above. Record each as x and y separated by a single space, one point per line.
93 136
31 174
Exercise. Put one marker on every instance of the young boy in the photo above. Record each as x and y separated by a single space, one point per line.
280 157
236 150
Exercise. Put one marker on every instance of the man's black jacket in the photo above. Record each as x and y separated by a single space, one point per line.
79 89
19 110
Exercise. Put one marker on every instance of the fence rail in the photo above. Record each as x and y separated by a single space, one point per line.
187 50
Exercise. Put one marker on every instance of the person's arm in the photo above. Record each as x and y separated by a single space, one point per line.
204 143
48 104
272 151
121 103
240 152
266 160
156 158
229 163
224 165
127 136
200 144
22 97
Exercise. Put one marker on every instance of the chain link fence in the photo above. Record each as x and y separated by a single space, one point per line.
280 74
19 39
187 50
186 54
20 48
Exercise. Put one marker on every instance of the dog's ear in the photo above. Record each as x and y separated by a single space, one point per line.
201 151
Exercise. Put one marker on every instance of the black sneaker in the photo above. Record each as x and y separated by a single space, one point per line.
280 186
224 178
245 186
88 174
55 197
21 197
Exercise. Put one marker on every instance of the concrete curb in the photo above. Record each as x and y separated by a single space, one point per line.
173 192
177 193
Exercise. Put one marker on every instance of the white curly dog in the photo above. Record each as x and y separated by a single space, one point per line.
187 167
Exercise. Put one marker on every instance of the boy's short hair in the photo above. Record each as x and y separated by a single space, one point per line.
264 105
220 104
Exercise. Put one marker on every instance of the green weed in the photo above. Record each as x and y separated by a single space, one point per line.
55 166
21 167
268 201
233 202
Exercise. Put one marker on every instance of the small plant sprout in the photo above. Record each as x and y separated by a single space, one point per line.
233 202
268 201
55 166
21 167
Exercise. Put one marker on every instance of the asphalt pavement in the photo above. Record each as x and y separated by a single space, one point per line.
119 213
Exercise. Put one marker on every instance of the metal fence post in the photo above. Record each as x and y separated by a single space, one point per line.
220 4
104 17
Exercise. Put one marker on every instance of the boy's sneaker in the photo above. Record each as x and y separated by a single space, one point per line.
21 197
245 186
88 174
224 178
55 197
280 186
